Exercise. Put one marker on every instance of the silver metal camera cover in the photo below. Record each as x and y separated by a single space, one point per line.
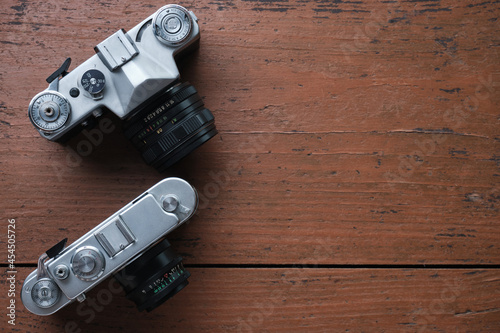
135 66
116 50
108 247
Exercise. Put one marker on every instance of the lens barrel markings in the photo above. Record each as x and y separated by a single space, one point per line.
169 140
160 105
171 127
172 157
166 122
156 276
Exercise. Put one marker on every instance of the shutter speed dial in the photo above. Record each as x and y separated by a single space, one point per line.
87 263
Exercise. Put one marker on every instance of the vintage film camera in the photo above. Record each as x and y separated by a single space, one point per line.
134 75
130 245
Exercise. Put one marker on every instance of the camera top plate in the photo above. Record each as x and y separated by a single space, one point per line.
114 243
135 66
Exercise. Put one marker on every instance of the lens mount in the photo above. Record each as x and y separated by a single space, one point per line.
170 126
153 278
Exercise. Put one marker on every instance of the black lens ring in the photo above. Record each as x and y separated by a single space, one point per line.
167 115
178 135
145 301
158 106
145 138
146 279
146 265
171 126
176 112
153 303
152 265
175 156
175 90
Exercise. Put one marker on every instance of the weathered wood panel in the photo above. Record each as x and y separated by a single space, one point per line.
291 203
293 299
356 122
351 133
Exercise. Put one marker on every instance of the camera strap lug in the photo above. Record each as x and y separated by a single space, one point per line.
49 254
82 297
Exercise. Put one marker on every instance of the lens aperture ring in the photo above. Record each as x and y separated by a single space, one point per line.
170 126
194 142
154 277
185 128
160 287
164 102
167 121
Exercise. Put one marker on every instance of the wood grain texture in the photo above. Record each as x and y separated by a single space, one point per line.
350 133
293 299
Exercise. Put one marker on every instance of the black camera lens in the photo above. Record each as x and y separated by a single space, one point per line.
154 277
170 126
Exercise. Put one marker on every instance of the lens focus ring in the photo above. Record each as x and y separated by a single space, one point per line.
171 126
147 116
154 277
172 138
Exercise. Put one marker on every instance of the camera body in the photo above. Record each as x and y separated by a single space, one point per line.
132 74
129 244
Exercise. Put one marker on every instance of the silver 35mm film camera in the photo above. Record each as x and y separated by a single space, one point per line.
130 245
134 75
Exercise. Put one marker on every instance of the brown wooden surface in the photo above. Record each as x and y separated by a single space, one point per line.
287 300
358 144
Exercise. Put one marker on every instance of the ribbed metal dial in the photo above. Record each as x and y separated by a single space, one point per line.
87 263
49 111
172 24
45 293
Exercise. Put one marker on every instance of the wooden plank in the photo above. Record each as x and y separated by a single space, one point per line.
329 141
289 204
351 133
291 299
